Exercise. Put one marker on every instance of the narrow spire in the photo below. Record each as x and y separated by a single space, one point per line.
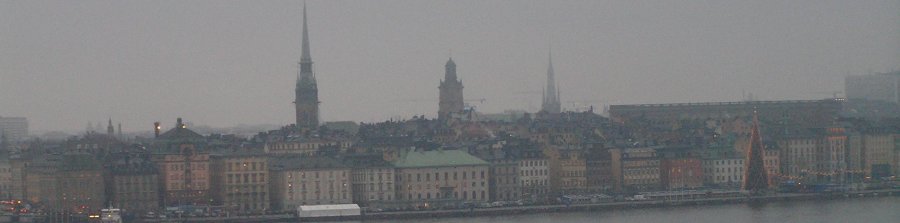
306 55
306 93
109 128
551 102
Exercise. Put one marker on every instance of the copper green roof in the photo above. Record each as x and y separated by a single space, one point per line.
437 158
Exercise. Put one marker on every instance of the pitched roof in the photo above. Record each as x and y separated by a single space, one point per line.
304 163
180 133
437 158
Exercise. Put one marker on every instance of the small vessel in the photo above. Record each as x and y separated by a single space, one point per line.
111 215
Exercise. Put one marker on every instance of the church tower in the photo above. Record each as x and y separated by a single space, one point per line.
551 103
109 129
451 95
306 92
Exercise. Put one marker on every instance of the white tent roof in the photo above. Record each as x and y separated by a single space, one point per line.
328 207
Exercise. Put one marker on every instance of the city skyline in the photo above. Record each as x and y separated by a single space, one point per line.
223 65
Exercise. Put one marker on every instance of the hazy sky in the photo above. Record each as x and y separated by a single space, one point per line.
222 63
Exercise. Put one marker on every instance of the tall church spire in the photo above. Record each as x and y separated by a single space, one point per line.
551 102
109 128
305 57
306 92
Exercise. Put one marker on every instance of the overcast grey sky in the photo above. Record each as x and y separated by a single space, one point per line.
222 63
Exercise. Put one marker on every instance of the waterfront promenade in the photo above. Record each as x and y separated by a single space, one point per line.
551 208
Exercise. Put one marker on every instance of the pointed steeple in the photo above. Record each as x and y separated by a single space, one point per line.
551 102
109 128
306 71
306 55
306 92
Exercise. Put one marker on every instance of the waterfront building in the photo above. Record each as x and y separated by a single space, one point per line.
772 163
567 170
798 155
372 180
451 93
877 149
440 178
896 163
503 183
41 182
240 181
133 183
183 162
636 169
599 171
724 170
681 173
831 165
17 175
297 181
680 168
534 175
79 185
6 176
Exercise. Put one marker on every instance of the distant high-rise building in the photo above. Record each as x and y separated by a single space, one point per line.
551 103
451 94
875 87
307 91
15 128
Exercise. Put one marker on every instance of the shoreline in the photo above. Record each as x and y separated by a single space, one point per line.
518 210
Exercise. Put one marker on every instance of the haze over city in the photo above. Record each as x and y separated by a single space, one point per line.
222 63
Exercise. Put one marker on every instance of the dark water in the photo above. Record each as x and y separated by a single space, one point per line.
882 209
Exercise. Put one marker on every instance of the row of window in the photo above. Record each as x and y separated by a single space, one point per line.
316 174
331 185
529 163
245 178
185 166
533 172
380 186
182 186
437 176
456 195
318 196
527 183
428 186
246 166
381 176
